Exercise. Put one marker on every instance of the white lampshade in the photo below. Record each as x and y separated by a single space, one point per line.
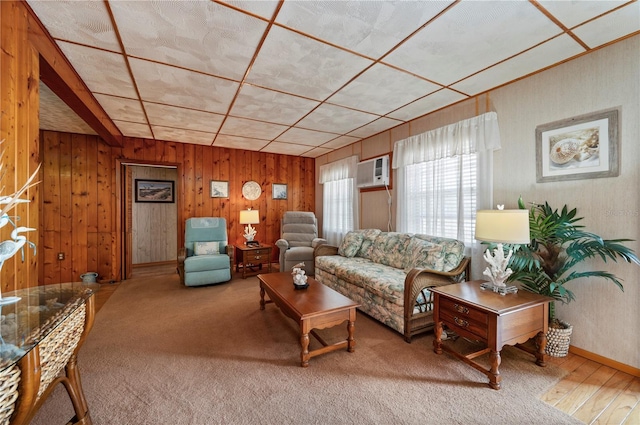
249 217
503 226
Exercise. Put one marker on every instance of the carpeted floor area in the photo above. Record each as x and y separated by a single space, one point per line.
160 353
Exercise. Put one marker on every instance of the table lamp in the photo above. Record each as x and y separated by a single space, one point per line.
501 226
249 217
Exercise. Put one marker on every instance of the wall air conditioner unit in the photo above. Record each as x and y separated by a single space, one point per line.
373 172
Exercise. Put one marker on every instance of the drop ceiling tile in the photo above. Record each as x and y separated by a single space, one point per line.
305 137
174 86
381 89
263 8
172 116
340 142
253 129
198 35
236 142
427 104
133 129
269 105
182 135
471 36
103 72
572 13
610 27
316 152
286 148
90 25
549 53
370 28
335 119
120 108
375 127
55 115
302 65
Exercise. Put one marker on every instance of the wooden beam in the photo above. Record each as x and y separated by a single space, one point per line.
58 74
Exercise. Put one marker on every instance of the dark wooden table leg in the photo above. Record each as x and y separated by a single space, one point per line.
494 372
541 343
261 297
351 342
304 353
437 342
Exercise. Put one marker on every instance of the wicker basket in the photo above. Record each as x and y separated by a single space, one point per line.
558 338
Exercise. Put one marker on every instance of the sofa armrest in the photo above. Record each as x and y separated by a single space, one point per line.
317 242
283 244
417 282
231 250
182 255
325 250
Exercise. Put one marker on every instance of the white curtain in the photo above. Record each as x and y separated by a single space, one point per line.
447 161
339 199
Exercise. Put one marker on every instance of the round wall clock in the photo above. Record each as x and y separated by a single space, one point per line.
251 190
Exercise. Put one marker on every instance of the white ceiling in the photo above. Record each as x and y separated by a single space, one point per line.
306 77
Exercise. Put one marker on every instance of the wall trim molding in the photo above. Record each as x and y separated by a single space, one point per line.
605 361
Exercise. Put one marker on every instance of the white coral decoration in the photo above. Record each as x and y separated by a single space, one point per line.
497 271
298 273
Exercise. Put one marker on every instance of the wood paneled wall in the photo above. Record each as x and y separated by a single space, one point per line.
82 196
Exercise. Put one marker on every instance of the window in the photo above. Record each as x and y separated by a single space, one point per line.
339 199
441 197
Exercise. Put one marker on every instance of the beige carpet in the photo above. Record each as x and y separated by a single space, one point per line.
160 353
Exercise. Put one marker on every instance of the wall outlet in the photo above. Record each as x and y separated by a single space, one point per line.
61 256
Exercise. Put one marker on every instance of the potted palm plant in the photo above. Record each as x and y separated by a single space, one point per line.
558 244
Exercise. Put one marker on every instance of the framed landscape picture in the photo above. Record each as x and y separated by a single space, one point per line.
279 191
219 189
583 147
154 191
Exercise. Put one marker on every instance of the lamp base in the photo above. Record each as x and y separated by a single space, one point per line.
502 290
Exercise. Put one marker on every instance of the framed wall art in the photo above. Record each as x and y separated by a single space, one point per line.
279 190
154 191
219 189
583 147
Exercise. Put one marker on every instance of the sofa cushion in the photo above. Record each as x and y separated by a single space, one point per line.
206 248
368 237
423 254
390 249
350 244
452 251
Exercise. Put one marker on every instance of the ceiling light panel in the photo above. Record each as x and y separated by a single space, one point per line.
198 35
254 129
427 104
269 105
238 142
471 36
133 129
174 86
381 89
610 27
335 119
182 135
370 28
119 108
547 54
102 71
90 25
305 137
295 64
572 13
189 119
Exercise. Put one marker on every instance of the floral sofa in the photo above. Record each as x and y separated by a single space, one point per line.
389 274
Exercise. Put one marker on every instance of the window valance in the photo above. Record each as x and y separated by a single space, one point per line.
338 170
475 134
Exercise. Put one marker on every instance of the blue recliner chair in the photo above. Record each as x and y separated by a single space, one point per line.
206 258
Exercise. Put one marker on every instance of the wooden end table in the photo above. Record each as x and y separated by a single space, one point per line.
252 257
317 307
493 319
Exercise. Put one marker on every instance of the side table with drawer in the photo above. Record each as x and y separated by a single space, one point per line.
252 258
492 319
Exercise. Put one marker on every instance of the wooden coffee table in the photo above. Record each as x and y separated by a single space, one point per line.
317 307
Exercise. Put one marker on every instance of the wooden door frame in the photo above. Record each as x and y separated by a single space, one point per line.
124 254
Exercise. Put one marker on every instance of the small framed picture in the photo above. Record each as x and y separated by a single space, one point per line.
279 190
162 191
219 189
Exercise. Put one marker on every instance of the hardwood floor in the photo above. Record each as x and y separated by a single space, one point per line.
592 392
